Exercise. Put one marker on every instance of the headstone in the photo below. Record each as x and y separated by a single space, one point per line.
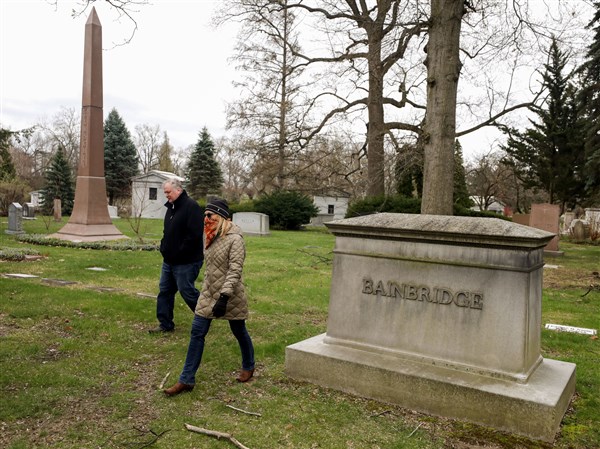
521 219
113 212
57 209
579 230
28 210
252 223
442 315
90 220
15 219
592 216
568 219
546 217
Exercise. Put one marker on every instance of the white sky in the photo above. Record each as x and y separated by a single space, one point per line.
174 73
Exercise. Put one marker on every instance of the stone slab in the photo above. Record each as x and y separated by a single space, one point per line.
533 409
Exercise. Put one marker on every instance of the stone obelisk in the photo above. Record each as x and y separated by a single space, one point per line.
90 220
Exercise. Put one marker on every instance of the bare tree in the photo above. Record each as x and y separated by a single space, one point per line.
271 110
147 145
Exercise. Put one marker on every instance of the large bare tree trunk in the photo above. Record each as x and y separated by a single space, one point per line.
443 70
376 125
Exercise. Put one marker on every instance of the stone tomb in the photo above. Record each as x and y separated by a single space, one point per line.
443 315
252 223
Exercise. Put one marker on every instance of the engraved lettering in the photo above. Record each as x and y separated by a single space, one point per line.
462 299
367 286
477 301
435 295
380 290
396 290
410 292
444 296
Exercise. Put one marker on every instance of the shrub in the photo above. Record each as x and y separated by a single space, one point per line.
286 209
395 203
406 205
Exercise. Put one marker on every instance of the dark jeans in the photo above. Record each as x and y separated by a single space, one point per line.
200 327
174 278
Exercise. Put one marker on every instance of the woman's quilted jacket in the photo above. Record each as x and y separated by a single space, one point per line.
224 261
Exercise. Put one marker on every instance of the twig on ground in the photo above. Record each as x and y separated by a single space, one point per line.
162 384
217 435
243 411
380 413
416 428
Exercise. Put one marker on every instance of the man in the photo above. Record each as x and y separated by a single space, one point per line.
182 251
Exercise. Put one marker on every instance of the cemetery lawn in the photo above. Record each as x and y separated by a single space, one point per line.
78 368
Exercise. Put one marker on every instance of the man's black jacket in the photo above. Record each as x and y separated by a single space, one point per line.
183 229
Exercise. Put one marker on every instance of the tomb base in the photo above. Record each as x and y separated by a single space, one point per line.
534 408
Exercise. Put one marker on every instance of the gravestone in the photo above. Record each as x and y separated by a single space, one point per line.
28 210
568 219
522 219
547 217
15 219
252 223
57 210
442 315
579 230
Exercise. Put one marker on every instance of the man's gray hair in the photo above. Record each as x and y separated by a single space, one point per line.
175 183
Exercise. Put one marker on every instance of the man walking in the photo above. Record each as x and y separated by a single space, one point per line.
181 248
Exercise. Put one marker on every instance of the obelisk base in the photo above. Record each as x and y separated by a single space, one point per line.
90 220
533 409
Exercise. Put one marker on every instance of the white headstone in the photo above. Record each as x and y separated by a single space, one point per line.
252 223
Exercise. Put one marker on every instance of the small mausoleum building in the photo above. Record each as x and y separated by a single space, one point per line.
331 205
147 196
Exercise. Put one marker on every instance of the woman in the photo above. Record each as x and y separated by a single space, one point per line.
223 295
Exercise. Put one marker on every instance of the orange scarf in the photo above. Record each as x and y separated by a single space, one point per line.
210 230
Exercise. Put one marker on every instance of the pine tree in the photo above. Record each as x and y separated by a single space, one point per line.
165 163
58 183
550 155
203 172
120 157
7 167
589 98
461 193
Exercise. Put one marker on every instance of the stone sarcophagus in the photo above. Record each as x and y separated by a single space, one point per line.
443 315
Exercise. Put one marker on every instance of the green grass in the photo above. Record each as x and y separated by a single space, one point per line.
78 369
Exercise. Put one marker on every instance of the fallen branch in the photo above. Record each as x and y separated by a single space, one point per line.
380 413
217 435
416 428
162 384
243 411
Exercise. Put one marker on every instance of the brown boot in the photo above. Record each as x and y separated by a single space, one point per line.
245 375
178 388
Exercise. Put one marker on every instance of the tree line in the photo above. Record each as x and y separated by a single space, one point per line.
363 98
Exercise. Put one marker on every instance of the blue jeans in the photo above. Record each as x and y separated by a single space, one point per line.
200 327
174 278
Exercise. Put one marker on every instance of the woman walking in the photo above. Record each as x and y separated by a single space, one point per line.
223 295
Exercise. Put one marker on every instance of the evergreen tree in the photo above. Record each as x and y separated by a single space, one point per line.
165 163
461 193
589 97
58 183
7 167
550 154
203 172
120 157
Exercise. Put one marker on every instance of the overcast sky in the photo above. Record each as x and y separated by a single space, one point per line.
174 73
